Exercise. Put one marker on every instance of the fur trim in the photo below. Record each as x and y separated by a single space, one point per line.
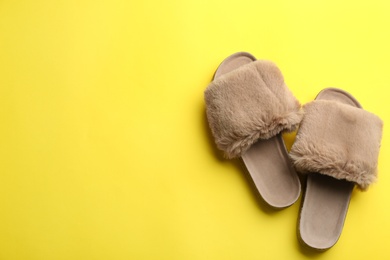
338 140
248 104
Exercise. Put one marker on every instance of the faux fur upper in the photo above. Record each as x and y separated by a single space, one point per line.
338 140
248 104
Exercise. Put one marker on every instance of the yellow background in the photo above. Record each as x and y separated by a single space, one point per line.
105 151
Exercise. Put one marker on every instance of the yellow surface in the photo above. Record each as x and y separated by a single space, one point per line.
104 146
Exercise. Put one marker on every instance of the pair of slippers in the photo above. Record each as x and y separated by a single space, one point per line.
337 145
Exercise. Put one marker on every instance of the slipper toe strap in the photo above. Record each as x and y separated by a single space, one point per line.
338 140
248 104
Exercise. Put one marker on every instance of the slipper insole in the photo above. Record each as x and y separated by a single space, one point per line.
324 210
270 168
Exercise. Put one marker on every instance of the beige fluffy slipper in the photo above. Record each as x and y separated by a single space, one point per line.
248 106
337 145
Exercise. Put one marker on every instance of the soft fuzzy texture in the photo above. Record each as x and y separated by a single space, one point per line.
248 104
338 140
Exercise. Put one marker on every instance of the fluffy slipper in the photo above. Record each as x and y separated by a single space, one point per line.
248 106
337 145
